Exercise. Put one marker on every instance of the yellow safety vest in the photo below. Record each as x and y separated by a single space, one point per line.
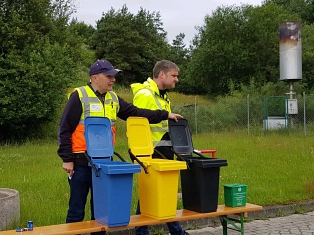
92 106
147 96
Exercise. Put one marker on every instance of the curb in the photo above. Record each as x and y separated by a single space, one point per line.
282 210
267 212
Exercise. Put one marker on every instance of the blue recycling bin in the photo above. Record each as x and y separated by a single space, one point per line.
112 192
112 180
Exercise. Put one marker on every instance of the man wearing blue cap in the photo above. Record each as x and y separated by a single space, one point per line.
94 99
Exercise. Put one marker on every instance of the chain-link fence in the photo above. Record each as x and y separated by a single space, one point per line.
252 114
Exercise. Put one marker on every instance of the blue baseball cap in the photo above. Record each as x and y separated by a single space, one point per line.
103 66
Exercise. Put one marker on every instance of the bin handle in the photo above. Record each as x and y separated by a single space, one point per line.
200 155
119 156
92 164
163 156
178 156
138 161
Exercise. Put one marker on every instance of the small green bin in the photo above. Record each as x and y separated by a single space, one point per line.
235 195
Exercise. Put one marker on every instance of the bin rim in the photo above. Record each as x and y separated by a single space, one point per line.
165 164
199 162
114 167
235 185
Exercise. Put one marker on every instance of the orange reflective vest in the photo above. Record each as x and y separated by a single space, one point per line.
92 106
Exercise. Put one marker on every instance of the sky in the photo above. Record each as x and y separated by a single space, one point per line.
180 16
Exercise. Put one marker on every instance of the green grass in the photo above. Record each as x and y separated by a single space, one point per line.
277 169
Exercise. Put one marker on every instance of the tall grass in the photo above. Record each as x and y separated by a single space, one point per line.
277 168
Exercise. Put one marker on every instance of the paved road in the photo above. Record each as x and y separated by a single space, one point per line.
297 224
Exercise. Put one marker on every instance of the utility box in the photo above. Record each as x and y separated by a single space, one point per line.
292 106
275 122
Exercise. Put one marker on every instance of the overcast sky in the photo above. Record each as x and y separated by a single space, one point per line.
177 16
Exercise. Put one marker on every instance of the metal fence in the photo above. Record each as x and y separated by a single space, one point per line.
253 114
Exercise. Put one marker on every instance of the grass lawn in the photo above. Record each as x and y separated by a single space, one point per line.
277 169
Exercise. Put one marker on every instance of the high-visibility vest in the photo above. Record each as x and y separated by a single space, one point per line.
92 106
147 96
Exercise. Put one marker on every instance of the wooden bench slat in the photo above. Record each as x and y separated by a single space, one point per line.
135 220
71 228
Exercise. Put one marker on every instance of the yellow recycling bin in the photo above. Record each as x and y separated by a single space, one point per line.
158 186
158 190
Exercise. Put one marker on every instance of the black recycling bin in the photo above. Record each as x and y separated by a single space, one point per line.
200 183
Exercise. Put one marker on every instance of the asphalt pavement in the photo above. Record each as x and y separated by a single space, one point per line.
297 224
296 219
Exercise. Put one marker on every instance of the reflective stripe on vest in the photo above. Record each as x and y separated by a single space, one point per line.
162 143
92 106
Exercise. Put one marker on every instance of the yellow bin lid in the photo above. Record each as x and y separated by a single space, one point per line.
139 136
165 165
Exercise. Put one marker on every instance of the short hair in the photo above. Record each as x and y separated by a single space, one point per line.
164 66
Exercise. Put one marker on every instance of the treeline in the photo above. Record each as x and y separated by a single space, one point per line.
44 52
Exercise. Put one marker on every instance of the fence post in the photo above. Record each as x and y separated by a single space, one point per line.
195 111
248 113
304 114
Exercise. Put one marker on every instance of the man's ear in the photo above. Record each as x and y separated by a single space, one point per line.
162 74
93 77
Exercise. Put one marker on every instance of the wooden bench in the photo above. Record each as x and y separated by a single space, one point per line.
138 220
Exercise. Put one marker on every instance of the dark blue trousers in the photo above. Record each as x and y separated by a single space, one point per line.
80 185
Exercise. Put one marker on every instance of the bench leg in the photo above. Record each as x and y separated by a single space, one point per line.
225 220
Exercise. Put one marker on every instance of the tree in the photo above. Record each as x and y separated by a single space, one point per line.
238 44
80 29
308 57
132 43
305 8
37 64
179 52
181 56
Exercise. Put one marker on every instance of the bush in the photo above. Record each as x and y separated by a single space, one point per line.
34 83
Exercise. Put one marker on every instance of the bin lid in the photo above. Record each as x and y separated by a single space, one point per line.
139 136
113 167
165 165
234 185
180 136
205 162
98 137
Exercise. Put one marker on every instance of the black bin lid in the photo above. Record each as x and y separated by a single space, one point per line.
180 136
205 162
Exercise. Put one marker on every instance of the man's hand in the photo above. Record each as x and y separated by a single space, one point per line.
68 167
174 116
